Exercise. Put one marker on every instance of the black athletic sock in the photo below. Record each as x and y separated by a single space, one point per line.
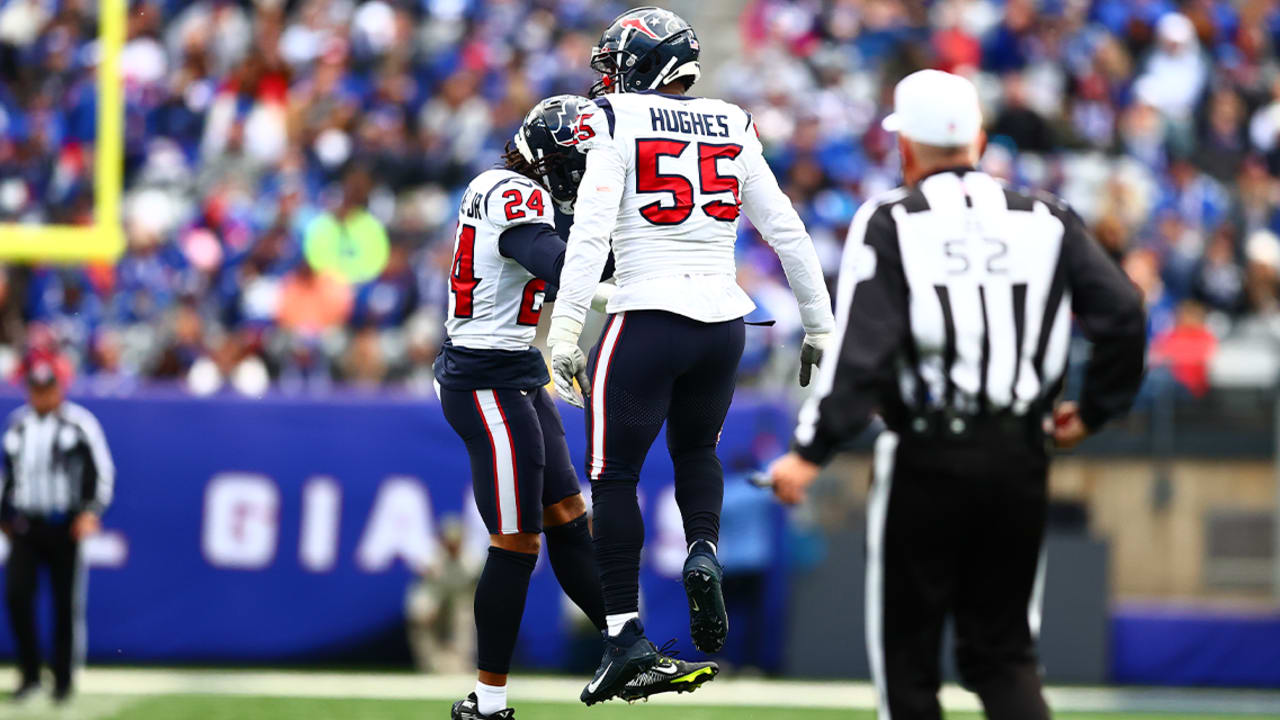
572 559
619 537
500 596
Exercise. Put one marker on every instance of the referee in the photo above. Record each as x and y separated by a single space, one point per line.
954 313
57 480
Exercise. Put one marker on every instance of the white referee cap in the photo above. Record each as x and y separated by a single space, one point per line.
935 108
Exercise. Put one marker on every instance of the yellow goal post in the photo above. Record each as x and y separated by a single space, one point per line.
104 239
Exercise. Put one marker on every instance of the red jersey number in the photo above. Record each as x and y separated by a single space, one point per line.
713 182
581 130
515 199
531 304
462 277
710 181
649 180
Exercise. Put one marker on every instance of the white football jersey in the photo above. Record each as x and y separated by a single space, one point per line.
494 302
667 178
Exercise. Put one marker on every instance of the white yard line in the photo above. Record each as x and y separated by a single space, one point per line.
723 692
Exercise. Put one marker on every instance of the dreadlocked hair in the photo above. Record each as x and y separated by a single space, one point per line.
516 162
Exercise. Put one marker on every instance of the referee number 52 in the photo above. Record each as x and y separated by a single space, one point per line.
989 252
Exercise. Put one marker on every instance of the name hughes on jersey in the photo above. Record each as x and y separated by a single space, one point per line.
683 121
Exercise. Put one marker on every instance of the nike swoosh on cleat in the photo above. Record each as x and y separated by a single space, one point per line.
693 605
665 669
595 683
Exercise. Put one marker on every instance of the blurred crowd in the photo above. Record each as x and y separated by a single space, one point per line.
292 170
293 166
1158 121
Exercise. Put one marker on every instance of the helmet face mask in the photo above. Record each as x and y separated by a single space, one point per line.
546 146
606 63
645 49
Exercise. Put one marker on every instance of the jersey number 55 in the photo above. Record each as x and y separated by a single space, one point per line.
680 189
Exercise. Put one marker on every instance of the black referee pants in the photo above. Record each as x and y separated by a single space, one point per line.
955 528
35 543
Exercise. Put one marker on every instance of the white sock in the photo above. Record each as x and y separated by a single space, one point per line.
714 549
490 698
616 622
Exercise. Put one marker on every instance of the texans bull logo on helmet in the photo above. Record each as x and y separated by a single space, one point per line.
637 23
548 141
645 49
568 125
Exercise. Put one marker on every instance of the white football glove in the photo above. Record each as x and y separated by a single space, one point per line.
567 361
604 291
811 355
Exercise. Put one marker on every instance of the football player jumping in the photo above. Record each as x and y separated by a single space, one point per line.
491 381
666 178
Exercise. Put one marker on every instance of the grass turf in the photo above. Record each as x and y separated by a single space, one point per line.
211 707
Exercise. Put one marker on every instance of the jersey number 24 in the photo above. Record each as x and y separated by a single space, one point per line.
463 282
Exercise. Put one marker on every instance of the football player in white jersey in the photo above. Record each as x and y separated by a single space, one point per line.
491 386
666 179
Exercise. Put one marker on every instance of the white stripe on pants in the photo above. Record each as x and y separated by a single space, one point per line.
504 462
1035 606
79 603
598 384
877 513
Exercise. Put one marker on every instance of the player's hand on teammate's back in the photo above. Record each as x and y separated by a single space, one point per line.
811 355
792 475
604 293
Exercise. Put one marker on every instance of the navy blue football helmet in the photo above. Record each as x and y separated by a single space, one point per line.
547 142
644 49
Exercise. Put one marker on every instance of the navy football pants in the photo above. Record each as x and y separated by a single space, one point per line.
652 367
519 460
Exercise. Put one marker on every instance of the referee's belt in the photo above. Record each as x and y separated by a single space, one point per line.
49 518
962 426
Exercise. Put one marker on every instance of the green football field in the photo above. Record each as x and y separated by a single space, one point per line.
265 694
210 707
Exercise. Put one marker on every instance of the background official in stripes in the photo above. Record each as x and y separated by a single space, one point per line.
58 479
954 315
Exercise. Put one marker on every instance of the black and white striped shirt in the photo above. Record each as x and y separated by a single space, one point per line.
955 300
56 464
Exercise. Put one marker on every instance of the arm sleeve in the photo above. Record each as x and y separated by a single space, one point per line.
1109 309
871 326
103 467
564 223
536 247
11 446
770 210
595 214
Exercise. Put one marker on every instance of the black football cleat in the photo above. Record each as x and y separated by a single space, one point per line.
625 656
708 619
668 674
469 709
25 693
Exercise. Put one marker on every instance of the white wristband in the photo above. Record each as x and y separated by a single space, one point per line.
563 330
